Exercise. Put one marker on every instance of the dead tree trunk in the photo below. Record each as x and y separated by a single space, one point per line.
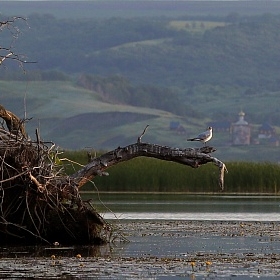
193 157
39 203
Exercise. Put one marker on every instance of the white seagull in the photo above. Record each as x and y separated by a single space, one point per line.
204 136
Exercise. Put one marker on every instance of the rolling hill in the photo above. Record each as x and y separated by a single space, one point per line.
74 118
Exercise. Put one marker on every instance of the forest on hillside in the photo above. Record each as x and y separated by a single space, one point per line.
244 52
146 61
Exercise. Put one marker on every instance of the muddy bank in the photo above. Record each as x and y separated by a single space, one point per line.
192 249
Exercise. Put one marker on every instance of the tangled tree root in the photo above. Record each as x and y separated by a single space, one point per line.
39 203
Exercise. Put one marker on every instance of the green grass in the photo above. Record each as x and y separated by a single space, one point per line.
152 175
247 177
49 102
46 99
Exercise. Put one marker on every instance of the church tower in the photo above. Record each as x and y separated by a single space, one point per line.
241 131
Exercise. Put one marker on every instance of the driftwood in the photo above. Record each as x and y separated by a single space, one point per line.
40 203
193 157
14 124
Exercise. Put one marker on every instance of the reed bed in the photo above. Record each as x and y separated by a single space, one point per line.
152 175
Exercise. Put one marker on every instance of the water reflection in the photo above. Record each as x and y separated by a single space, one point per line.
187 207
166 234
213 216
58 251
185 246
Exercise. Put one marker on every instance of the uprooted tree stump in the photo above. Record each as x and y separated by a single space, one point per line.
40 203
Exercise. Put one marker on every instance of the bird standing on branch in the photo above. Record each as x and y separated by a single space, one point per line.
204 136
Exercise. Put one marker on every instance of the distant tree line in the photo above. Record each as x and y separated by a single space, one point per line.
148 51
113 89
117 89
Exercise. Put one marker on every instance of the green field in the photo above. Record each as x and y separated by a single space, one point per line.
49 104
57 109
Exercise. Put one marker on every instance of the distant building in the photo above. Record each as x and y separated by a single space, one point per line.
266 131
241 131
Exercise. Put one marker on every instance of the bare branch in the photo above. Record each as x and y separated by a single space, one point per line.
9 22
140 137
193 157
6 52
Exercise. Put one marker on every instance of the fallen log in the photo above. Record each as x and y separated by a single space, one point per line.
40 203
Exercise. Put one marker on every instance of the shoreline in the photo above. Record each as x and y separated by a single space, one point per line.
184 193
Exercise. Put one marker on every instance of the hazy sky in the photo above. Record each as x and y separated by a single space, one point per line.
107 8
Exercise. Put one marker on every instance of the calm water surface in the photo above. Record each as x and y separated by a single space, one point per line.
122 208
240 235
187 207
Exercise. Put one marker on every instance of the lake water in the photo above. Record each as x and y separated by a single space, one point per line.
184 226
171 236
187 207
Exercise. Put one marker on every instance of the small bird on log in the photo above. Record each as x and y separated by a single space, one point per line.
204 136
